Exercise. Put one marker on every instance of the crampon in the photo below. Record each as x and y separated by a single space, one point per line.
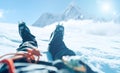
30 55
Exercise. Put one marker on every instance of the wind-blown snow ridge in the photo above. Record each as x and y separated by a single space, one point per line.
95 43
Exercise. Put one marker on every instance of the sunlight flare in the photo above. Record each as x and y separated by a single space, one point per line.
106 7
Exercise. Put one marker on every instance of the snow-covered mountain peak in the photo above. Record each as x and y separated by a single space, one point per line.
72 9
71 12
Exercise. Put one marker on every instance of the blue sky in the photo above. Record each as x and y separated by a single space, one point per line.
13 11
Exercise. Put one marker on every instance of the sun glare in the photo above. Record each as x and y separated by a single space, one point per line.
106 7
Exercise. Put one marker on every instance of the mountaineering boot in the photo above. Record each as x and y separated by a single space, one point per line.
28 39
22 27
58 34
25 32
59 30
57 47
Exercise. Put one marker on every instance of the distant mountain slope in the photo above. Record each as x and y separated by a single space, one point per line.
71 12
46 19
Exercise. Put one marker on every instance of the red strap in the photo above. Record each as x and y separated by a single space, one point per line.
10 64
32 53
29 56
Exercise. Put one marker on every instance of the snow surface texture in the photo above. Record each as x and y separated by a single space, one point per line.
95 43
